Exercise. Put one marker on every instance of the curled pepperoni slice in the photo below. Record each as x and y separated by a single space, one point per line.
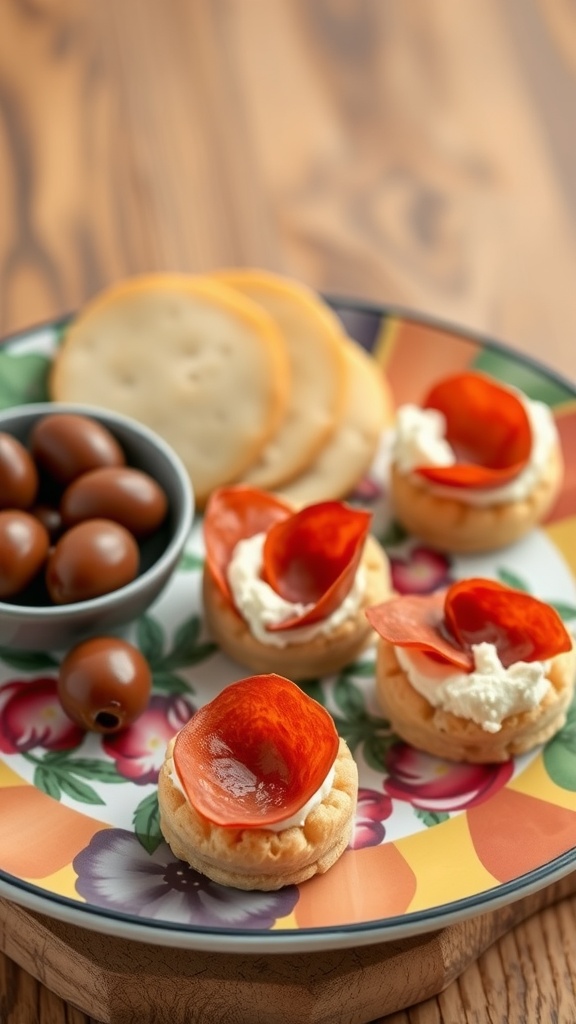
448 623
417 621
521 627
255 754
232 514
486 425
312 558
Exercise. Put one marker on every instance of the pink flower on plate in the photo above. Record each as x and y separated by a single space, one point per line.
367 490
372 809
31 716
420 571
139 750
435 785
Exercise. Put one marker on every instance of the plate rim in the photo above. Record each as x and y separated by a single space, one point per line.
276 941
450 327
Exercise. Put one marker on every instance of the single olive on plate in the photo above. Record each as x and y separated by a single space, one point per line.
104 684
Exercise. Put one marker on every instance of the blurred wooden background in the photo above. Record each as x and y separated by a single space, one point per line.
418 153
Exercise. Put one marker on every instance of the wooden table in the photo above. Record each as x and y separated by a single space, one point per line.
419 154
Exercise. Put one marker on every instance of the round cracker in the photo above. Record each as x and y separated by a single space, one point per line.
258 858
453 525
322 655
452 738
350 451
314 340
195 361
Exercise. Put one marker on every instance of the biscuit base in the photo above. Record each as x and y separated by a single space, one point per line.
322 655
254 858
452 738
447 524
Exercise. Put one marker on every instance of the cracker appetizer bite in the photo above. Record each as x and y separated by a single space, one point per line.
476 466
285 591
479 672
257 790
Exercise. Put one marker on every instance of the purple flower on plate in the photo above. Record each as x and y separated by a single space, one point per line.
433 784
139 750
32 716
421 571
372 809
116 873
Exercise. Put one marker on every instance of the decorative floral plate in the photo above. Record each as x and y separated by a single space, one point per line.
434 842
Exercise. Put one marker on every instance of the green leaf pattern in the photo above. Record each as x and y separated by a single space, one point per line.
146 823
559 754
23 378
368 735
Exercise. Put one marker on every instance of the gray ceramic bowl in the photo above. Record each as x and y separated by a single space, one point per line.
49 627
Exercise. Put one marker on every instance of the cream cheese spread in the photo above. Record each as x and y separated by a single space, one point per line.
419 440
249 781
487 695
260 605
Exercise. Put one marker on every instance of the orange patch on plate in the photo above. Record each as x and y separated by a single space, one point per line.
421 354
364 885
566 425
514 833
39 835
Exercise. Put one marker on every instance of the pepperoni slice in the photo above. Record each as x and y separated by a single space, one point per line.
256 753
417 621
312 558
448 623
521 627
232 514
488 428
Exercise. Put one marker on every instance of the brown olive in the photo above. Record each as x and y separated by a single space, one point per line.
23 550
90 559
126 495
104 684
50 518
65 445
18 474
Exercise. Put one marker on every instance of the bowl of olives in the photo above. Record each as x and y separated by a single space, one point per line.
95 512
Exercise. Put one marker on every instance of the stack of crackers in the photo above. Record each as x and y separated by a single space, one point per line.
248 375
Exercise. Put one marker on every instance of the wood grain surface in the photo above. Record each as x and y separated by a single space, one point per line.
418 153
